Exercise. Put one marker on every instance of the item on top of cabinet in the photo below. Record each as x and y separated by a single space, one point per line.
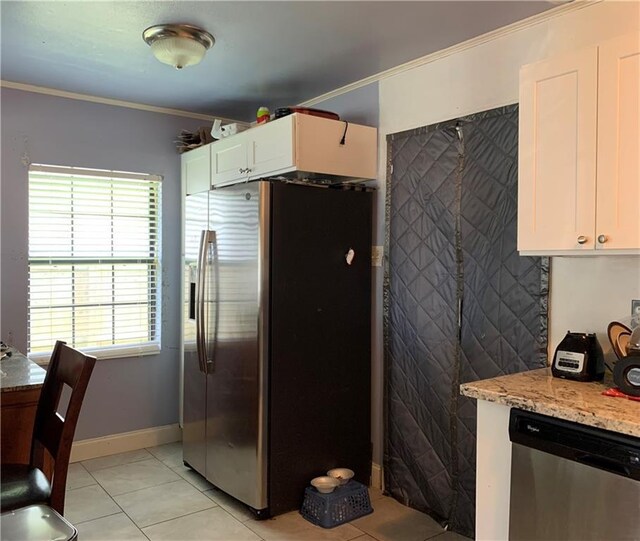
619 335
325 484
284 111
578 357
188 140
343 475
218 131
263 115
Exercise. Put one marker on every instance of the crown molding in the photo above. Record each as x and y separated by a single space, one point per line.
552 13
110 101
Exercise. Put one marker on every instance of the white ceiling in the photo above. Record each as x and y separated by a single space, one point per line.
266 53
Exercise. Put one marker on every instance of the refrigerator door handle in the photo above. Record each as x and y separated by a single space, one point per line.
209 354
206 239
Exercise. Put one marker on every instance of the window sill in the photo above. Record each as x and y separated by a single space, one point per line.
120 352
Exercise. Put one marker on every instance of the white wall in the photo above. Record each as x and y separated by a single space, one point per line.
586 293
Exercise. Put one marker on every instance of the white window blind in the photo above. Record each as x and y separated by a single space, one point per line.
94 247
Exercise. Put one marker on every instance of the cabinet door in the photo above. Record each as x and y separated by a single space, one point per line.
557 153
271 148
229 159
196 169
618 201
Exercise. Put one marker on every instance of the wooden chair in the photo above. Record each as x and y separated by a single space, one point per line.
27 484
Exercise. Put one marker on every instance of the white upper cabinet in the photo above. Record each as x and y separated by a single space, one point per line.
228 159
579 183
618 201
196 170
296 146
270 148
557 153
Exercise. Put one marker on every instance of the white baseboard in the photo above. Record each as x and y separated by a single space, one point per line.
125 441
376 475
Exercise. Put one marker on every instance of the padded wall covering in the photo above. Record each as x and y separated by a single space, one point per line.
460 303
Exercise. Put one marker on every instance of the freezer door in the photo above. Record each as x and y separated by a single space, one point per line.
236 394
195 381
320 338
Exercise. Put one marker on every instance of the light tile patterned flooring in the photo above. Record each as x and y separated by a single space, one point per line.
150 495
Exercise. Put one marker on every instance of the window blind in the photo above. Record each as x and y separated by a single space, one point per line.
94 249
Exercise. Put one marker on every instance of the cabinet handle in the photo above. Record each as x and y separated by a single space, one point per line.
582 239
602 239
241 170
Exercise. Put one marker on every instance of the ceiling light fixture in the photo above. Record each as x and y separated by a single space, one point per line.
178 45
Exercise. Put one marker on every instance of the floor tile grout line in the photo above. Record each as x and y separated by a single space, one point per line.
127 515
115 465
128 492
133 522
193 513
118 466
167 520
96 518
148 449
153 486
360 534
252 517
150 486
97 483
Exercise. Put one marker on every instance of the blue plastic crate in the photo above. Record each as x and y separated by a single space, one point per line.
344 504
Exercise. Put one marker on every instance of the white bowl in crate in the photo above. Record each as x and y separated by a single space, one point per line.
343 475
325 484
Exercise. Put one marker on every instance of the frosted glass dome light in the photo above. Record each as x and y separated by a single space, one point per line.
178 45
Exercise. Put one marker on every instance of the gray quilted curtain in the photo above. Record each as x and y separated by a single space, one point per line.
460 303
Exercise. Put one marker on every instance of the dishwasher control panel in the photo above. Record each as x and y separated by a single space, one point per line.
610 451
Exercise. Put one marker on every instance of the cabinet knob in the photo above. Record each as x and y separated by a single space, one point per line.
241 170
602 239
582 239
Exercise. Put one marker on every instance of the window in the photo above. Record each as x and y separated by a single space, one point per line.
94 273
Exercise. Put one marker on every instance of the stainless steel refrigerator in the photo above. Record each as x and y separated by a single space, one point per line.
277 333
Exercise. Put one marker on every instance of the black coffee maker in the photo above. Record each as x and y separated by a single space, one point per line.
578 357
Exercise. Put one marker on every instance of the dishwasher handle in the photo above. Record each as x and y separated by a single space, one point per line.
604 463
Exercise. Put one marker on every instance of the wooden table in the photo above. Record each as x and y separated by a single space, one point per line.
20 382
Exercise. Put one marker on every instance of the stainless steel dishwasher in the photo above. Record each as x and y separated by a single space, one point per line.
571 481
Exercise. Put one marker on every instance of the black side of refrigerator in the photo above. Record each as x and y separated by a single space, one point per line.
320 352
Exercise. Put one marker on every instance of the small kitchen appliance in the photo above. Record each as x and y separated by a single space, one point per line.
626 372
578 357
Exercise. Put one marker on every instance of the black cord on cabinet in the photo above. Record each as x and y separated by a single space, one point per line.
344 135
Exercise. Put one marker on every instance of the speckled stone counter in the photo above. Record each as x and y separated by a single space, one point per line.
17 373
540 392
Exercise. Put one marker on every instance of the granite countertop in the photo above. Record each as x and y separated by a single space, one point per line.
18 373
540 392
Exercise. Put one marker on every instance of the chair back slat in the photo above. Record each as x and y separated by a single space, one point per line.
51 430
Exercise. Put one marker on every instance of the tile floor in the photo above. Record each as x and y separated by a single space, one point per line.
150 495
